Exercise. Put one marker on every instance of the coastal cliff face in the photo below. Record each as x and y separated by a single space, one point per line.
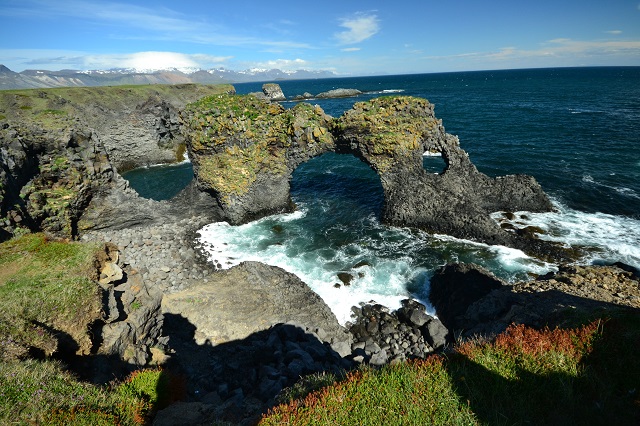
60 148
392 133
245 150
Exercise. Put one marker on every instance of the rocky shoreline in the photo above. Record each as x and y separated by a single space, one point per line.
239 337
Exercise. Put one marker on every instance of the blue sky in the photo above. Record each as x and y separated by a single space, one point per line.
347 37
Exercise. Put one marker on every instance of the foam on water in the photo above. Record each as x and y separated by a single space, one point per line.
610 238
386 265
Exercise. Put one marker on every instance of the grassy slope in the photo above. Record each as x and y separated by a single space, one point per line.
47 291
52 108
588 375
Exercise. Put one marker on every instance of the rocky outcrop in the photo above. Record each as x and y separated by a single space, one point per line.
59 150
457 286
339 93
471 301
245 150
392 133
273 92
48 177
262 296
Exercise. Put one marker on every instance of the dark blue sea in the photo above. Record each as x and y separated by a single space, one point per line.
576 130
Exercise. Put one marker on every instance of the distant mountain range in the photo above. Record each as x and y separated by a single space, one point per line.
31 79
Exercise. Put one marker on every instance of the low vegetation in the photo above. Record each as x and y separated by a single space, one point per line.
237 137
588 375
387 128
43 393
48 301
47 296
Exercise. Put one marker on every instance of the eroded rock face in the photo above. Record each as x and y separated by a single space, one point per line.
245 150
391 134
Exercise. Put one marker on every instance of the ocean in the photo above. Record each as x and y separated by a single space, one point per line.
576 130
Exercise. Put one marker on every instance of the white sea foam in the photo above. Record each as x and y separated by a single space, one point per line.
386 265
611 238
619 189
383 282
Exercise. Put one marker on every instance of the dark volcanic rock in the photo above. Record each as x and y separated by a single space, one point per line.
391 134
244 151
382 337
457 286
554 300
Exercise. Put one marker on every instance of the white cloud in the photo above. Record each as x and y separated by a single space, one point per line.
359 28
614 32
350 49
154 60
282 64
556 52
55 60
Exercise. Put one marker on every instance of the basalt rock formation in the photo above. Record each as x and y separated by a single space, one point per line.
61 148
245 150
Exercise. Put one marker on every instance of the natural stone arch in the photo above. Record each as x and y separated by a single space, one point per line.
245 150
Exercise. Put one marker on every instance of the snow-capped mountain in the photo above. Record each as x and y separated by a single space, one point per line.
119 76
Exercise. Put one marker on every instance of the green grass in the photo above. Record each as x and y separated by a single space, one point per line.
46 288
43 393
589 375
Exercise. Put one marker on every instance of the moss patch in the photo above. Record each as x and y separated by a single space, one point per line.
388 129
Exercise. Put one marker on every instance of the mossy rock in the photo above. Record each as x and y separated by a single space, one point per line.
388 130
235 138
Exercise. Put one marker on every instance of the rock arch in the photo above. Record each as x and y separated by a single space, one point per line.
245 150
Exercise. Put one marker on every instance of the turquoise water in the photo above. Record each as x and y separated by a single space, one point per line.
160 182
575 130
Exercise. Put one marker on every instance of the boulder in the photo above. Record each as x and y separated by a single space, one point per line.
273 92
455 287
252 297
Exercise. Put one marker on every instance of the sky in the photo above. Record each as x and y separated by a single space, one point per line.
348 37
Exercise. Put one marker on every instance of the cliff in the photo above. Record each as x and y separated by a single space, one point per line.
59 147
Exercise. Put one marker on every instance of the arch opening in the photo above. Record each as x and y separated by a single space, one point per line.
434 162
338 183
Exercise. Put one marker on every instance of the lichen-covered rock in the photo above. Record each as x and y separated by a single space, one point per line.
391 134
244 151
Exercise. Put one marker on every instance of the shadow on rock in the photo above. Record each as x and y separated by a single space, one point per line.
238 381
